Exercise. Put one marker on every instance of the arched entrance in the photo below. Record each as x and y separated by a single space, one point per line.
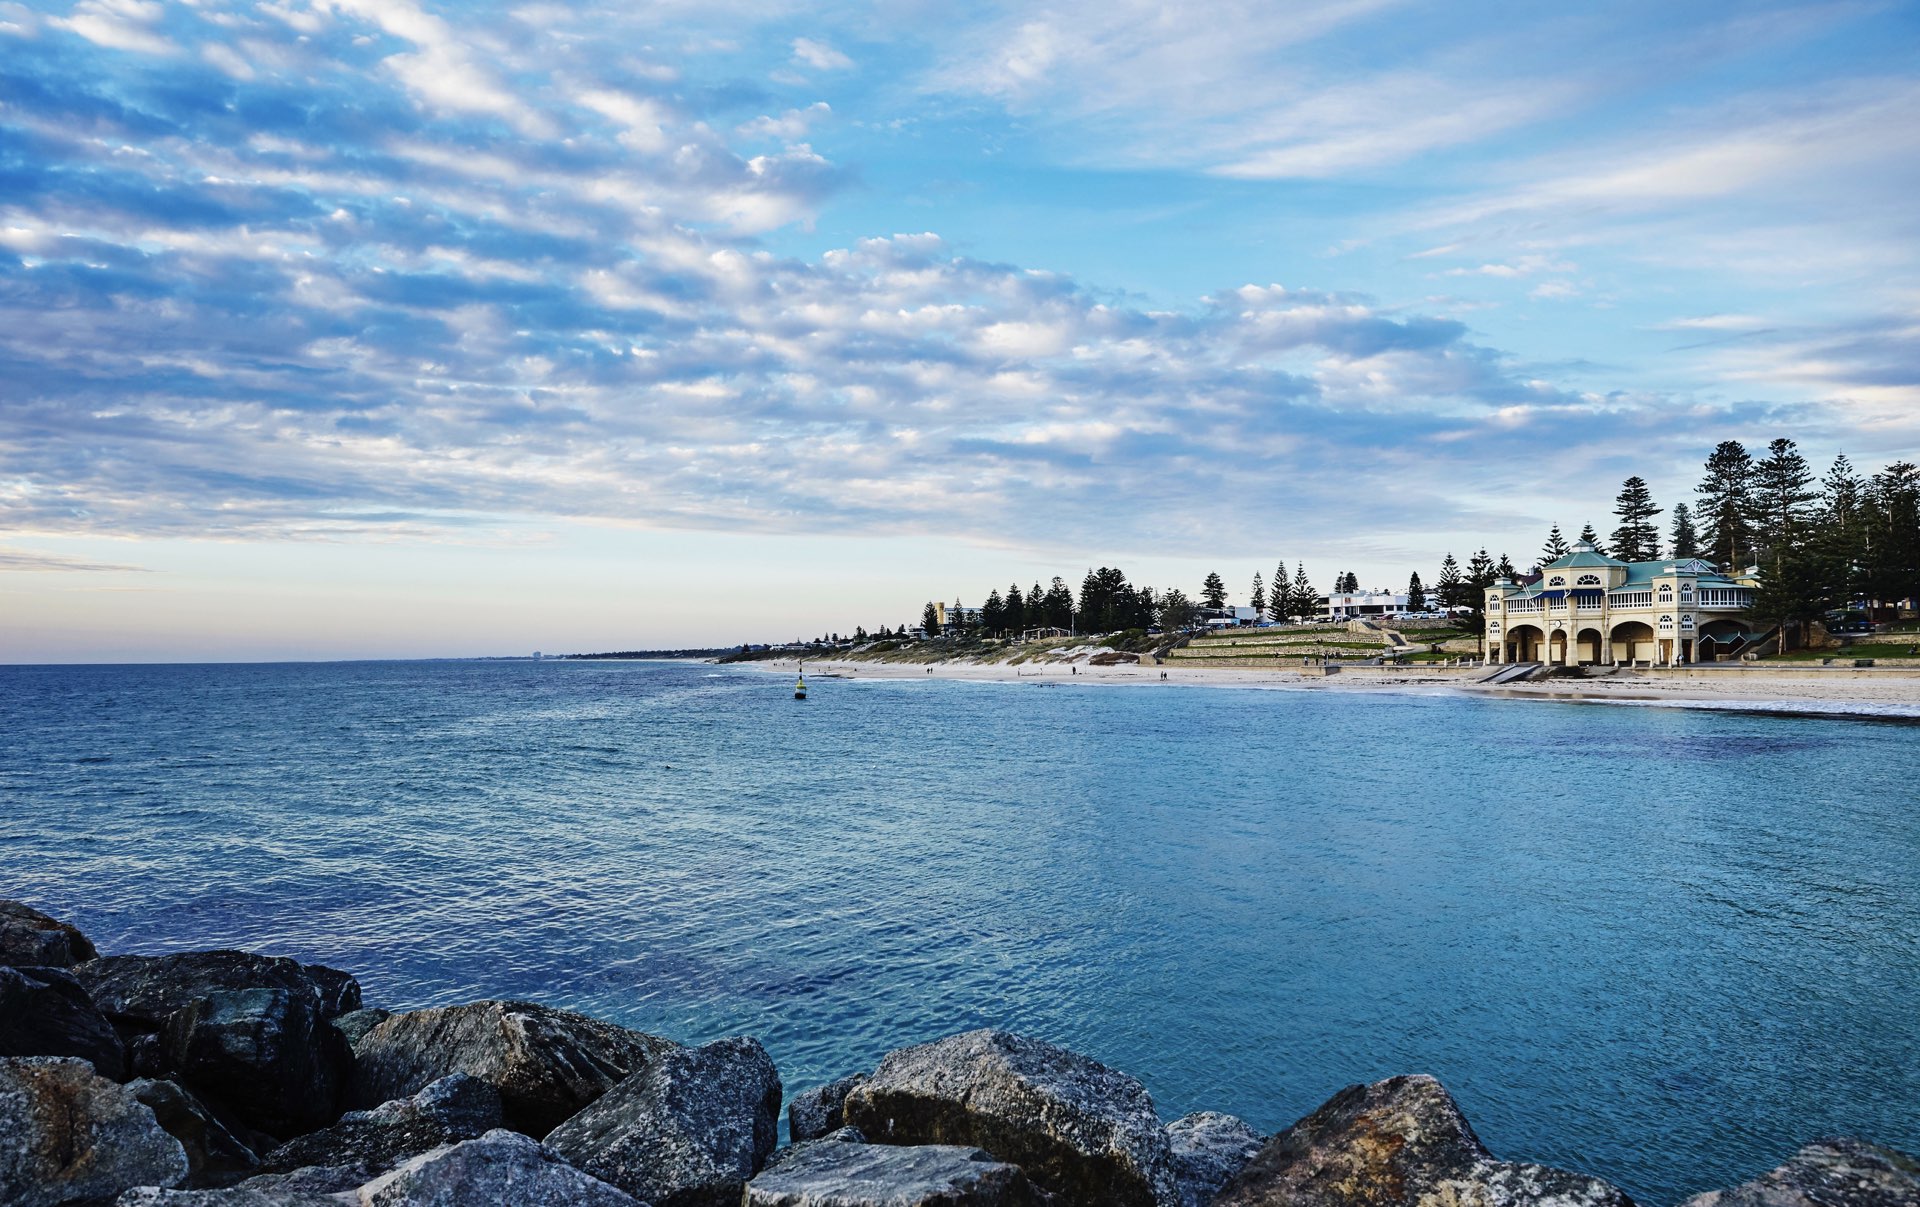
1525 643
1633 642
1591 648
1557 647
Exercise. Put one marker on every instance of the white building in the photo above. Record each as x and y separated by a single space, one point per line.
1589 608
1347 605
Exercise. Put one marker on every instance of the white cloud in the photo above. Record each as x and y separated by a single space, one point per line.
645 119
789 126
120 25
443 72
810 52
228 60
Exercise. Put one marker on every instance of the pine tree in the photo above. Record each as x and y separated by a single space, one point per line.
1637 539
1093 605
1782 494
1213 592
1280 602
1892 525
1257 598
993 614
1723 494
1107 602
1176 610
1591 537
1306 601
1058 605
1686 542
1448 587
1416 594
1505 568
1016 610
1842 528
930 620
1793 592
1555 548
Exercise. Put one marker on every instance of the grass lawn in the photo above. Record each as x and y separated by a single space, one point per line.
1877 649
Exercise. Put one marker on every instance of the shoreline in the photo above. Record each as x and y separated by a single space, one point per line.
1885 694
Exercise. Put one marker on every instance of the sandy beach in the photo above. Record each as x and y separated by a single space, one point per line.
1866 692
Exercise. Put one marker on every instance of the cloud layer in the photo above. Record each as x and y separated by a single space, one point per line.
343 267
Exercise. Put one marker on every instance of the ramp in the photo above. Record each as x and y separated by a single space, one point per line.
1514 672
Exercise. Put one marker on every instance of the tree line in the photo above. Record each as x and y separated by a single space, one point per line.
1107 602
1847 539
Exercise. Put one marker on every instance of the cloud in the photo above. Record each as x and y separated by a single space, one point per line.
24 560
1246 90
810 52
789 126
405 277
120 25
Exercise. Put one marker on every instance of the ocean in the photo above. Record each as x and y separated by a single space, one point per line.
1663 946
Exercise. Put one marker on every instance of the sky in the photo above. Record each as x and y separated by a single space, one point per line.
378 328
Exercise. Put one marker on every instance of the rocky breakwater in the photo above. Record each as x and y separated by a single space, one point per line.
228 1079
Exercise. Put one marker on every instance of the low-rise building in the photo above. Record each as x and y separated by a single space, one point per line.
1346 605
1228 617
954 615
1590 609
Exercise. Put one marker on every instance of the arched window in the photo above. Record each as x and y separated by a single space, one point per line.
1686 622
1666 622
1587 580
1558 580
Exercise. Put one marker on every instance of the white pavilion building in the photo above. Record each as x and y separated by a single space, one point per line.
1590 609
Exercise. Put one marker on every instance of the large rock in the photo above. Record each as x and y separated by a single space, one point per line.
816 1112
146 990
1083 1131
235 1196
215 1156
546 1063
501 1167
69 1134
876 1175
355 1024
446 1112
45 1012
689 1130
1208 1150
1829 1173
1400 1143
30 938
247 1031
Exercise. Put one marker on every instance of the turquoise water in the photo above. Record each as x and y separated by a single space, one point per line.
1658 945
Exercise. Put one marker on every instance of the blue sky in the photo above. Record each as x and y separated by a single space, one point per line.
344 327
